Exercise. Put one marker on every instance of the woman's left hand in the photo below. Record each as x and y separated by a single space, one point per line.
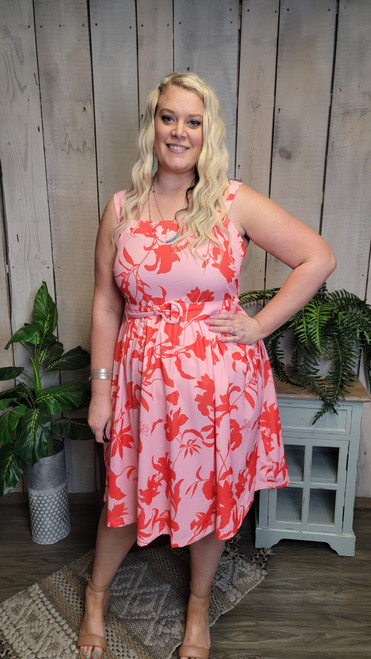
235 327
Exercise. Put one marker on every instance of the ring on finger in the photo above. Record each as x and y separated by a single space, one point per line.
234 331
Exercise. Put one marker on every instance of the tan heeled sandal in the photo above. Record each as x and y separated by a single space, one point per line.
195 650
94 640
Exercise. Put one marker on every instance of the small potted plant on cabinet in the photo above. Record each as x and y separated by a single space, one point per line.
327 338
31 426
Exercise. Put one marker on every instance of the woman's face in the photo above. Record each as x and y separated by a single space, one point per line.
178 130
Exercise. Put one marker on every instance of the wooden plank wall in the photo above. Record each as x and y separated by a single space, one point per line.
294 82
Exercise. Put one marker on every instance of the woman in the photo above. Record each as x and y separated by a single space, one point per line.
194 429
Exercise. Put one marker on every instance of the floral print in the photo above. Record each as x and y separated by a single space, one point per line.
196 429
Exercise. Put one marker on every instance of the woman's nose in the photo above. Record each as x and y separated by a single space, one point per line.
179 130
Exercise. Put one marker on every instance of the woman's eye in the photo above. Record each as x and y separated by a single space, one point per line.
194 123
166 118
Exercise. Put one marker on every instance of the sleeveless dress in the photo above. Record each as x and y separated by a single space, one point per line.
196 428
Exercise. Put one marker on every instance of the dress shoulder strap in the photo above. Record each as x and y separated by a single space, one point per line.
118 199
233 187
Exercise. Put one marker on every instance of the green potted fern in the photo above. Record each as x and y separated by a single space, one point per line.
31 426
327 338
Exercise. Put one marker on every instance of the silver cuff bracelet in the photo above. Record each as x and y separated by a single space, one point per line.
101 374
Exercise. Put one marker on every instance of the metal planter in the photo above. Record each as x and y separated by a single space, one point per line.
48 498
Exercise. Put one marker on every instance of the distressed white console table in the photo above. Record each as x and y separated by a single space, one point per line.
322 463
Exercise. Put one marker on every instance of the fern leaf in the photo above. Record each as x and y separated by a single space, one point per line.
249 297
309 324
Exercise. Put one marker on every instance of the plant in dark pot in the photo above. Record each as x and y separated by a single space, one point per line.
31 426
327 337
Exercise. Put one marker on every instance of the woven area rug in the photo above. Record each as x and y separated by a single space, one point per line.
147 606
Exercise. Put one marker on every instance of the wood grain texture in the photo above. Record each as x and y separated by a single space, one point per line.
347 199
114 61
259 32
26 562
206 42
258 52
126 47
364 460
67 101
6 356
22 163
155 45
66 93
303 93
312 603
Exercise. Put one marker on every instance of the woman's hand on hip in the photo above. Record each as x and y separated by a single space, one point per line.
235 327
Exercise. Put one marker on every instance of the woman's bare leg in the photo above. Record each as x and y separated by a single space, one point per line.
205 557
112 546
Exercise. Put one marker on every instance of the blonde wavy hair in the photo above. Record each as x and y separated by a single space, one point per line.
205 199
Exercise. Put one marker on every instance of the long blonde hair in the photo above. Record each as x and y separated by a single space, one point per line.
205 203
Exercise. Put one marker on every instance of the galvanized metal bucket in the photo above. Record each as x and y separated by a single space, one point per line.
48 498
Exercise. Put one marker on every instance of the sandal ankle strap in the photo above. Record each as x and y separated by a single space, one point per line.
200 596
94 587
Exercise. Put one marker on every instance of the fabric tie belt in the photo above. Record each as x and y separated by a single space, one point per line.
178 311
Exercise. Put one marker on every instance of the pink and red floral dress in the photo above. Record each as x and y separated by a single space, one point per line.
196 429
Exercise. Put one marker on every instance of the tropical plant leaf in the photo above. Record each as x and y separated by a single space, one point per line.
10 372
50 353
11 468
27 333
21 393
6 402
70 361
45 311
72 428
61 398
27 412
9 421
34 437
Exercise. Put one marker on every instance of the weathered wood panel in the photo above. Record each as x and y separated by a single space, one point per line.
6 356
22 162
258 51
256 96
23 174
206 42
364 461
67 102
363 488
155 45
303 93
132 47
66 93
347 200
114 53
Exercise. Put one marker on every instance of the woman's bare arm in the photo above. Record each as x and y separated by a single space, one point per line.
289 240
107 313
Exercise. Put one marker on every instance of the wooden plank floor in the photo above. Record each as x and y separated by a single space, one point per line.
313 603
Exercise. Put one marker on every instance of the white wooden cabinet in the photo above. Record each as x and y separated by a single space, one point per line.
322 463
